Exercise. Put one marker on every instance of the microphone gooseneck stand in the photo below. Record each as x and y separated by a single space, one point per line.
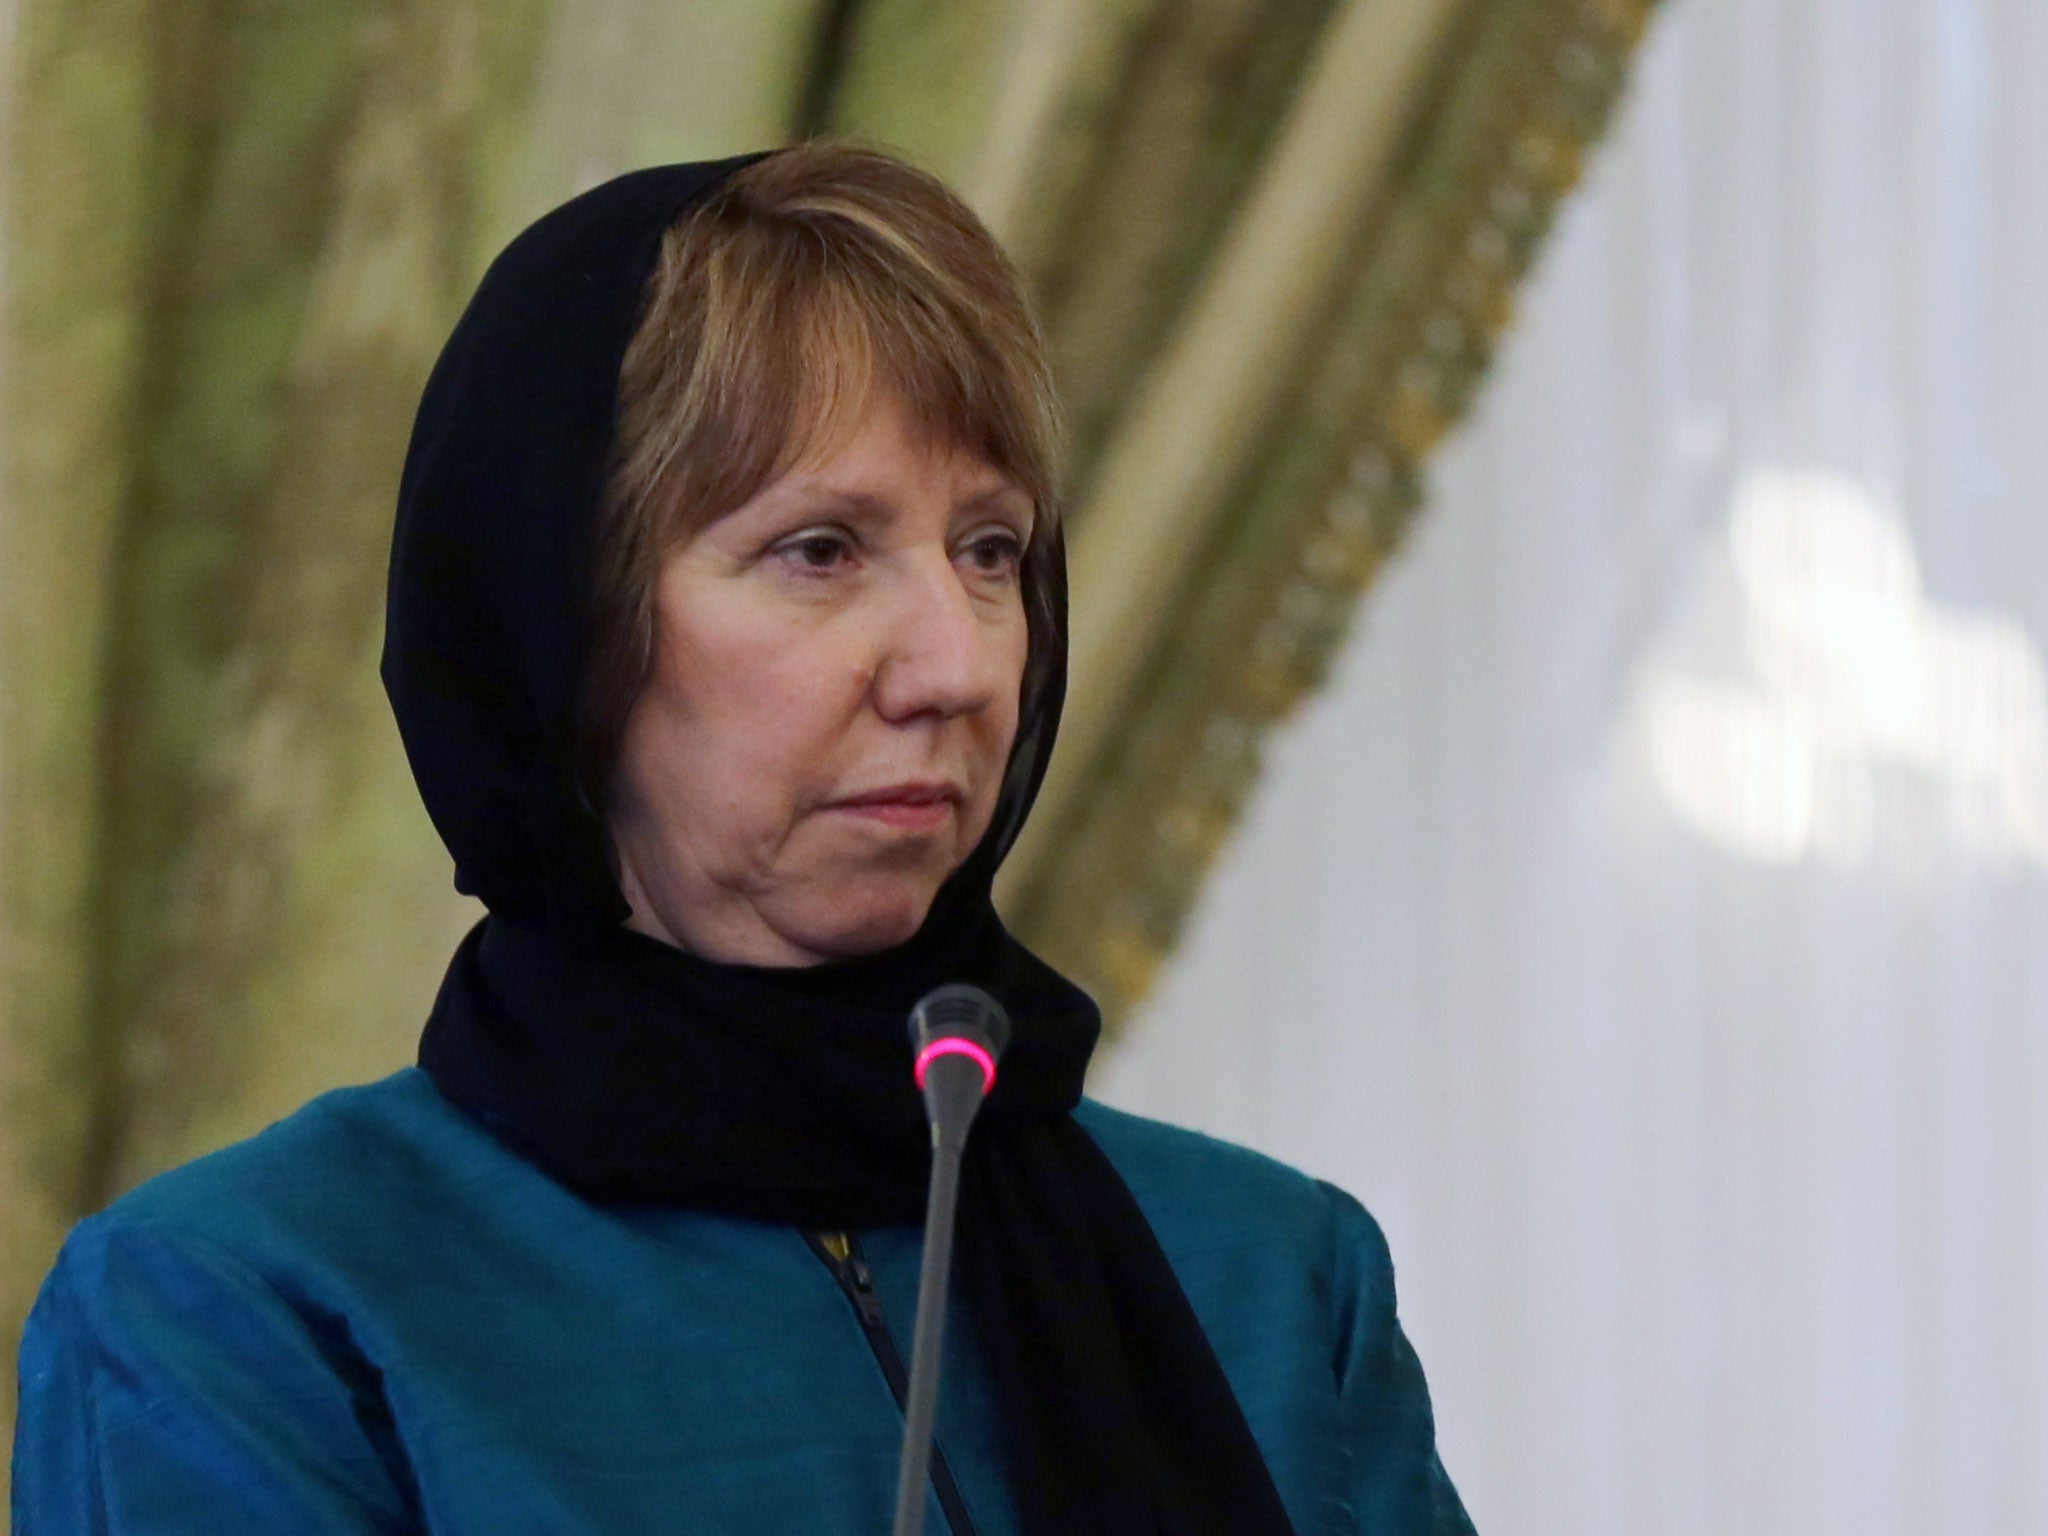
957 1033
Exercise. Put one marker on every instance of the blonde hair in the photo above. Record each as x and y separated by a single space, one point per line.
777 307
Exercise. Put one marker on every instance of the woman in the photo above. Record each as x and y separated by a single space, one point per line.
726 636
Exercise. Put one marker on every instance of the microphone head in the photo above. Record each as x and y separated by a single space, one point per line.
959 1020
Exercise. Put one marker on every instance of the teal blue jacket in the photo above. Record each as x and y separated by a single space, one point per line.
373 1317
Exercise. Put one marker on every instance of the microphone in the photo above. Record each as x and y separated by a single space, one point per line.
957 1033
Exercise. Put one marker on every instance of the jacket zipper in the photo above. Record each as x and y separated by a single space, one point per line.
841 1254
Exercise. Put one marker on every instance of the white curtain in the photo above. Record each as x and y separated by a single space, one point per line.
1651 922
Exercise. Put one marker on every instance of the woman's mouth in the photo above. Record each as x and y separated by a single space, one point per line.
926 816
912 807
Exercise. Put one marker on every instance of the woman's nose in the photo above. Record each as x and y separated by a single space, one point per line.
941 652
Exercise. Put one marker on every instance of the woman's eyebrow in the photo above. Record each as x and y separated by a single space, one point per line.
867 505
993 496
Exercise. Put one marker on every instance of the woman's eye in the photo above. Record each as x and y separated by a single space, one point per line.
819 551
996 552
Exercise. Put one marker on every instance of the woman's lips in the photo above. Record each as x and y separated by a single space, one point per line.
904 815
905 807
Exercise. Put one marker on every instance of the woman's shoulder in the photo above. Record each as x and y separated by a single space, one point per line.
1291 1280
210 1325
1192 1185
354 1177
369 1133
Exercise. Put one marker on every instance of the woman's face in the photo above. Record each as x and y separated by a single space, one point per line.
834 695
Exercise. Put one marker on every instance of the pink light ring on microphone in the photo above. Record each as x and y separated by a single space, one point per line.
954 1045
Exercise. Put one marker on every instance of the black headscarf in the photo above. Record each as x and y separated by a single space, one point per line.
634 1071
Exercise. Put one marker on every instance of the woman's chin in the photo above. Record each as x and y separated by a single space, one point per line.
864 921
